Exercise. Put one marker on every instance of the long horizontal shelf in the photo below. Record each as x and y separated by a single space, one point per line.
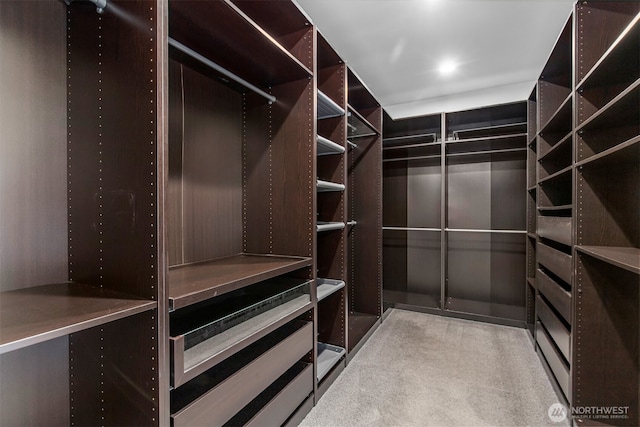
621 153
326 147
487 309
324 186
328 108
532 282
488 152
430 138
197 282
626 258
210 29
329 226
33 315
409 146
490 131
401 159
326 287
487 138
359 126
328 356
560 119
553 176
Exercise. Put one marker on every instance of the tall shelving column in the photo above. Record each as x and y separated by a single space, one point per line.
332 209
364 238
241 212
607 203
485 238
532 191
555 208
412 181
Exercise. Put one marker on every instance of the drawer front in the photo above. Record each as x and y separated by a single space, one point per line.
555 294
276 412
558 262
558 332
554 359
223 401
555 228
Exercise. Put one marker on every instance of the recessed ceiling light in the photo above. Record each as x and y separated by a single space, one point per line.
447 67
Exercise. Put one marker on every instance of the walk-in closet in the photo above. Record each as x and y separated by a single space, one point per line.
272 213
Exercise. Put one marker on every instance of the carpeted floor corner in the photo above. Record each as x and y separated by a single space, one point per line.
424 370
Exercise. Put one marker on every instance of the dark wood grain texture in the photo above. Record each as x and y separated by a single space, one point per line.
200 281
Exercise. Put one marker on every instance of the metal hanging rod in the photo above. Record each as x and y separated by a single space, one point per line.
209 63
411 229
475 230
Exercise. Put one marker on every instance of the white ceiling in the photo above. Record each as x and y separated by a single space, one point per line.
396 47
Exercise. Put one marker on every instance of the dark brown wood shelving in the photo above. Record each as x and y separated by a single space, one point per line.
33 315
221 32
359 126
197 282
486 309
626 258
561 174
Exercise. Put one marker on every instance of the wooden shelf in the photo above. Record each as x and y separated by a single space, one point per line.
620 111
409 146
487 309
555 208
625 258
560 174
213 28
557 149
197 282
520 135
628 151
490 132
560 120
33 315
430 138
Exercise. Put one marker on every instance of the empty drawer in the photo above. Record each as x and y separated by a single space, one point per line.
555 228
199 340
556 261
557 330
555 294
554 359
232 385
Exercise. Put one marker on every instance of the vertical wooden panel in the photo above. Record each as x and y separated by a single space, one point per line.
33 184
114 377
33 193
212 203
174 200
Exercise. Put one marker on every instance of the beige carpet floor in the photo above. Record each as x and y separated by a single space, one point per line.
424 370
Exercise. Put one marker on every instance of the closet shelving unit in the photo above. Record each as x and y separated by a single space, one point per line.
485 238
240 249
80 295
331 264
412 188
555 210
532 212
607 231
436 221
364 213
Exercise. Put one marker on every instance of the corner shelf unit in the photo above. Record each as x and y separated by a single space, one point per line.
531 283
588 243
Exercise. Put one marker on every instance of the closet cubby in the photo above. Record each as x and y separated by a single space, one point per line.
364 212
332 191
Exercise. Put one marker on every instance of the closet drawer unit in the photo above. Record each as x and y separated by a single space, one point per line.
556 261
219 404
555 294
557 330
553 358
555 228
198 345
278 409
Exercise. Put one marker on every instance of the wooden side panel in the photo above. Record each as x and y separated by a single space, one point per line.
174 196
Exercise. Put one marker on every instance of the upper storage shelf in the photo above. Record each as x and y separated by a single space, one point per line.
224 34
490 131
33 315
359 126
197 282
